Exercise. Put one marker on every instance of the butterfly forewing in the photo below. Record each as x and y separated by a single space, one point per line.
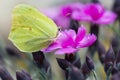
31 30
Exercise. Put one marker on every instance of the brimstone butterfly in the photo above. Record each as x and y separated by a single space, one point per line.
31 30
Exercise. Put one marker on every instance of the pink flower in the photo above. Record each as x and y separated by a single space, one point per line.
62 14
69 42
95 13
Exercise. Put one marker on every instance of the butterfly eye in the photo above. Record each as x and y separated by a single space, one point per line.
59 29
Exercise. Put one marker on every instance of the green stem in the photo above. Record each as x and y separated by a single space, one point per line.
94 73
119 25
108 73
108 77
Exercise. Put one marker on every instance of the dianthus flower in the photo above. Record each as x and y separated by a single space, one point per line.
94 13
62 14
69 41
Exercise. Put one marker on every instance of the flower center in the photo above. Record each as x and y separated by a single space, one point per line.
67 11
96 11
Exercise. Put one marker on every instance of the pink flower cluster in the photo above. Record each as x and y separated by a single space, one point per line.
92 12
62 14
69 42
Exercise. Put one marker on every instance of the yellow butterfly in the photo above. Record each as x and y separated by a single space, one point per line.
31 30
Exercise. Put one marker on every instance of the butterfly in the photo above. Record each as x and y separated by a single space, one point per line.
31 30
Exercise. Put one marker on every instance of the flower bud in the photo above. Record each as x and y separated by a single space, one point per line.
114 70
73 59
70 57
118 60
40 60
23 75
4 74
77 63
63 63
109 60
75 74
110 56
89 63
85 70
116 7
116 44
101 52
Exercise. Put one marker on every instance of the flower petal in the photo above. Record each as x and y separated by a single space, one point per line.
81 16
55 14
81 33
87 41
62 21
66 11
107 18
67 50
51 12
95 10
71 33
66 39
51 47
77 6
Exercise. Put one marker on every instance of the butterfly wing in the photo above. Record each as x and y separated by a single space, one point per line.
31 30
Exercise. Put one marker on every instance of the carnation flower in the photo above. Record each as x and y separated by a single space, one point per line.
95 13
62 14
69 42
